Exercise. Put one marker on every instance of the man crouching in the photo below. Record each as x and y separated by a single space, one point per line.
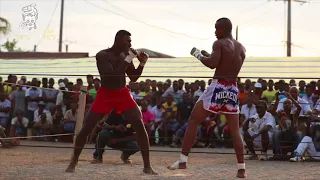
117 134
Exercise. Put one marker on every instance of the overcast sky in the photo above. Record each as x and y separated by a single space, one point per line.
171 27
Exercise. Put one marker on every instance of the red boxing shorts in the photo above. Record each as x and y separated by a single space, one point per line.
221 97
118 100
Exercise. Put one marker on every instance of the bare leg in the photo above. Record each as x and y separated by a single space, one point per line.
90 122
135 118
233 122
198 114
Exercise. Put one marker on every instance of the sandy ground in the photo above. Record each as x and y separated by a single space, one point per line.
49 163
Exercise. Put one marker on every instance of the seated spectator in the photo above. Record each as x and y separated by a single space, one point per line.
41 109
184 109
5 106
305 146
294 94
170 123
60 97
287 131
147 117
176 93
258 131
248 109
57 121
178 137
42 127
19 125
116 133
200 91
136 93
207 130
70 118
221 123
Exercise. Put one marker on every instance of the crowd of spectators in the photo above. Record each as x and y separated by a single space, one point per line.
273 115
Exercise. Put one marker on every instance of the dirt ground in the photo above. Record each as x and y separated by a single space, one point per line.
31 163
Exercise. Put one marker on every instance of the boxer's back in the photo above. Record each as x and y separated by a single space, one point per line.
232 58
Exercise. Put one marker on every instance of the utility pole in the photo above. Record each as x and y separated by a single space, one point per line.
289 42
61 26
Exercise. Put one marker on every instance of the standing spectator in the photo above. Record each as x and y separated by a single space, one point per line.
60 96
93 91
90 82
180 84
18 99
7 88
200 91
302 91
270 93
187 87
33 96
45 82
5 106
50 95
308 96
247 85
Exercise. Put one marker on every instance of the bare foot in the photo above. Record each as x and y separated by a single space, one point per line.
149 171
71 167
178 165
241 173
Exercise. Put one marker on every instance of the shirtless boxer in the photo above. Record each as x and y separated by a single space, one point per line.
221 96
113 64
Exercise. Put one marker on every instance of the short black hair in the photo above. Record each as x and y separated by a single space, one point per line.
122 33
89 76
226 23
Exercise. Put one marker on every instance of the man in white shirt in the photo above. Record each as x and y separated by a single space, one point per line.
295 95
308 96
248 110
258 131
175 92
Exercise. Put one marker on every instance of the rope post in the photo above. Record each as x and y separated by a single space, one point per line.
80 112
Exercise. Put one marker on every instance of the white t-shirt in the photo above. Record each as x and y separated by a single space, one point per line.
15 121
248 112
37 117
33 93
157 113
267 119
304 104
5 104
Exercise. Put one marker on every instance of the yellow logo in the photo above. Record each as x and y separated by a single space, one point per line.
49 34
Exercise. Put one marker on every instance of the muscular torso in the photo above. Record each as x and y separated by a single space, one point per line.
232 57
112 81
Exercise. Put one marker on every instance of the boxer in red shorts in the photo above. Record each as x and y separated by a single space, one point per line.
113 64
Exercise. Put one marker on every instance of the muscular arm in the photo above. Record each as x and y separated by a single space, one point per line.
134 73
214 59
106 68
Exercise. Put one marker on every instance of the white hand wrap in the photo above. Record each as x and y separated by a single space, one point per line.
129 57
196 53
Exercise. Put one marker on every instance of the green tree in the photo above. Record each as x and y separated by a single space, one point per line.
11 46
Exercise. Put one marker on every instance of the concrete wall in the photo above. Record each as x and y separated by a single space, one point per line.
41 55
